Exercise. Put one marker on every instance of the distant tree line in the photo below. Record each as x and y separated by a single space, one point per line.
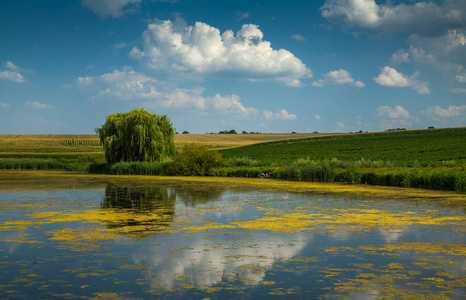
395 129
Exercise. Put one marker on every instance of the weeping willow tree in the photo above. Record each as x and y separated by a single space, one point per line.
137 136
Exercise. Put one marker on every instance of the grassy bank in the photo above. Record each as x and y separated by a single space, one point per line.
430 159
449 178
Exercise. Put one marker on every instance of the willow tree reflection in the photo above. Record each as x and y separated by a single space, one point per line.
140 209
200 194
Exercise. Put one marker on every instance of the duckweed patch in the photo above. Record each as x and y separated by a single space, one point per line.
140 237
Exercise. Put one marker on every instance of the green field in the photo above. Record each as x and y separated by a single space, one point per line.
431 159
435 147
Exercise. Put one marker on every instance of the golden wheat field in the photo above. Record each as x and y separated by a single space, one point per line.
89 143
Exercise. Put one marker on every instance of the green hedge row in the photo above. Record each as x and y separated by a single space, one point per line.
442 180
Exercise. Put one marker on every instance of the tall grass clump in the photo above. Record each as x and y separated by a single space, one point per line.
241 162
195 159
306 170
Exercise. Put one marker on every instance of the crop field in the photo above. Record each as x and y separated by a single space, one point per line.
49 151
433 159
403 148
225 141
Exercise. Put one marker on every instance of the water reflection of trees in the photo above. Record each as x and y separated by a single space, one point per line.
146 208
151 208
141 199
200 195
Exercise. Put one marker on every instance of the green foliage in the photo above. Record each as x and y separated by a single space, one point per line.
241 161
130 168
244 171
43 164
452 179
434 147
137 136
194 159
232 131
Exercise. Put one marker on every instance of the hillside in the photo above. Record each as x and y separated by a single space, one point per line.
427 147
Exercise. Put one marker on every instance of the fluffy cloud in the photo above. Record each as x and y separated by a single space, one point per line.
444 57
127 84
12 72
37 105
447 49
437 41
194 99
397 113
114 8
201 50
461 78
338 77
450 112
391 77
4 105
298 37
450 116
423 18
281 115
396 117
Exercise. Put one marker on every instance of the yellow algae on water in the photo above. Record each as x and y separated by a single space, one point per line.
105 296
22 239
208 226
427 247
395 265
82 234
306 259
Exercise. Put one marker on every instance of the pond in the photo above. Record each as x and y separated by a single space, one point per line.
109 238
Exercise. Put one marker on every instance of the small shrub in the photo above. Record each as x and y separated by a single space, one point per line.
194 159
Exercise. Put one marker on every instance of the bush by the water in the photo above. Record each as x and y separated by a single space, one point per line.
194 159
130 168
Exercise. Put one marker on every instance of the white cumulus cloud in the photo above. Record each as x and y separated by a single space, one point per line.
125 85
394 117
12 66
461 78
281 115
455 115
201 50
37 105
436 29
12 72
392 78
424 18
298 37
128 84
397 113
114 8
451 116
338 77
4 105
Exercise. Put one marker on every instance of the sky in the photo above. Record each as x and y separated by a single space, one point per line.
265 66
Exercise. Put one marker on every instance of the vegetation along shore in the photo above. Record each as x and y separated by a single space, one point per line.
432 159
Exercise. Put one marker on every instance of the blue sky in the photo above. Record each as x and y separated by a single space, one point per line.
211 65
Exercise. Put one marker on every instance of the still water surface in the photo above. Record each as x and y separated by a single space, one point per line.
124 239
